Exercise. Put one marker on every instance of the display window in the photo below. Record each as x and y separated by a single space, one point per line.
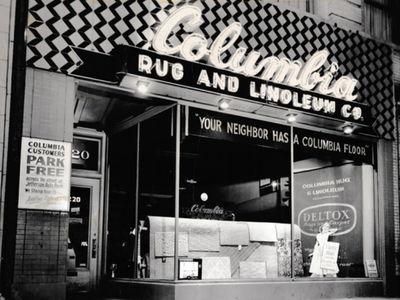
141 184
246 199
122 204
334 208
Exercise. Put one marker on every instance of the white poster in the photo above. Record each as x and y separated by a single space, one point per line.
44 175
330 256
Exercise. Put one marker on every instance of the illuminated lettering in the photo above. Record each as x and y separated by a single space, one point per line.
357 150
195 47
222 82
145 65
247 130
348 111
280 136
177 71
210 124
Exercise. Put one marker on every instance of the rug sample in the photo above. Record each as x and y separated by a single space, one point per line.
216 267
262 232
235 255
205 237
234 233
165 244
268 254
283 231
284 251
252 269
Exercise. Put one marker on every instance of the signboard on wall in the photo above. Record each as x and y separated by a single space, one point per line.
266 32
45 173
194 75
332 195
239 129
190 268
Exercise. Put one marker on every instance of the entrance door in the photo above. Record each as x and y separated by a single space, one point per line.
83 243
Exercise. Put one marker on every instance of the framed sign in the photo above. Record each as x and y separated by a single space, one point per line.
371 269
190 268
45 174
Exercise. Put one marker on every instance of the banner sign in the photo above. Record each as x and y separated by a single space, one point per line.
44 175
239 129
177 71
233 128
331 145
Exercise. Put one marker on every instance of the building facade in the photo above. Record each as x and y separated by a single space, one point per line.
175 149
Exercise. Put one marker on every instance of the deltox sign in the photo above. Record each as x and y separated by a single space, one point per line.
338 215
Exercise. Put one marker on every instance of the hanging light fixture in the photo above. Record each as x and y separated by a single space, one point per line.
291 118
348 129
223 103
142 86
204 197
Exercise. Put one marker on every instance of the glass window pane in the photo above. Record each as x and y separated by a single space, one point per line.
150 194
78 232
334 206
156 194
121 207
234 192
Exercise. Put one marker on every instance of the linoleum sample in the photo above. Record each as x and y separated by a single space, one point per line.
262 232
267 253
165 244
204 238
233 233
216 268
252 269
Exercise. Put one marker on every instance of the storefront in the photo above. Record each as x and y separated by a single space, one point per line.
255 152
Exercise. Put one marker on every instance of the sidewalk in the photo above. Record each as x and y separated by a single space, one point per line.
83 296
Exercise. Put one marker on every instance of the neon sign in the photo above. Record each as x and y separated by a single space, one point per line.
279 70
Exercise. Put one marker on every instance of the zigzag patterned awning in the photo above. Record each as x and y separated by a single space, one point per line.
54 26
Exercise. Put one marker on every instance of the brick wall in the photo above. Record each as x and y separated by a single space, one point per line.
41 247
396 209
42 236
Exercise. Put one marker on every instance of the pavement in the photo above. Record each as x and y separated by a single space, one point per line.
85 296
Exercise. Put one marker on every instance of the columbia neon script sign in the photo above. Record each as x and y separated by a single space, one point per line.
278 70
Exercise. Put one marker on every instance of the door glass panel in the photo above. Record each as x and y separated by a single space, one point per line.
79 227
83 235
